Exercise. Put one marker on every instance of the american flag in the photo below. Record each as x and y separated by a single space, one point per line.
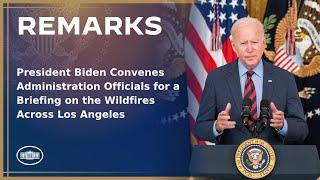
199 53
284 61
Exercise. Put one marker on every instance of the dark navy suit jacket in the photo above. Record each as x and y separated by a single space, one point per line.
223 86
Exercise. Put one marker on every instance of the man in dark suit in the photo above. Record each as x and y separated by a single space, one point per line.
219 119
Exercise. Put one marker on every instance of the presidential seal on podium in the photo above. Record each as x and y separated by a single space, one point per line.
255 158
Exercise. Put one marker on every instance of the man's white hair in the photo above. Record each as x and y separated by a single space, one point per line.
244 22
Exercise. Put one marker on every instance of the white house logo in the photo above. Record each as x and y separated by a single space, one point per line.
29 155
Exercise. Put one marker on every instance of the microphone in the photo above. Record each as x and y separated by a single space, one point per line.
265 112
264 116
246 114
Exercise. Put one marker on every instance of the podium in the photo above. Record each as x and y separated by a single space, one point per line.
292 162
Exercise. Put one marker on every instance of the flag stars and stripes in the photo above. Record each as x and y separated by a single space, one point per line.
243 4
284 61
234 3
211 15
311 114
222 31
213 2
229 12
223 3
175 117
183 114
234 17
222 17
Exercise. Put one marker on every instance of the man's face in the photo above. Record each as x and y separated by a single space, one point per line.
249 45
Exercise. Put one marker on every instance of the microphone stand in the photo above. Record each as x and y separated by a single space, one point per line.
258 126
255 132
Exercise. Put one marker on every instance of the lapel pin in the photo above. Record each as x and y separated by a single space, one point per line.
269 81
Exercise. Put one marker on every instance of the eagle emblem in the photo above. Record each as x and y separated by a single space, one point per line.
255 157
306 37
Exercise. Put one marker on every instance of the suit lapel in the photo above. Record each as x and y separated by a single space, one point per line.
268 81
233 80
